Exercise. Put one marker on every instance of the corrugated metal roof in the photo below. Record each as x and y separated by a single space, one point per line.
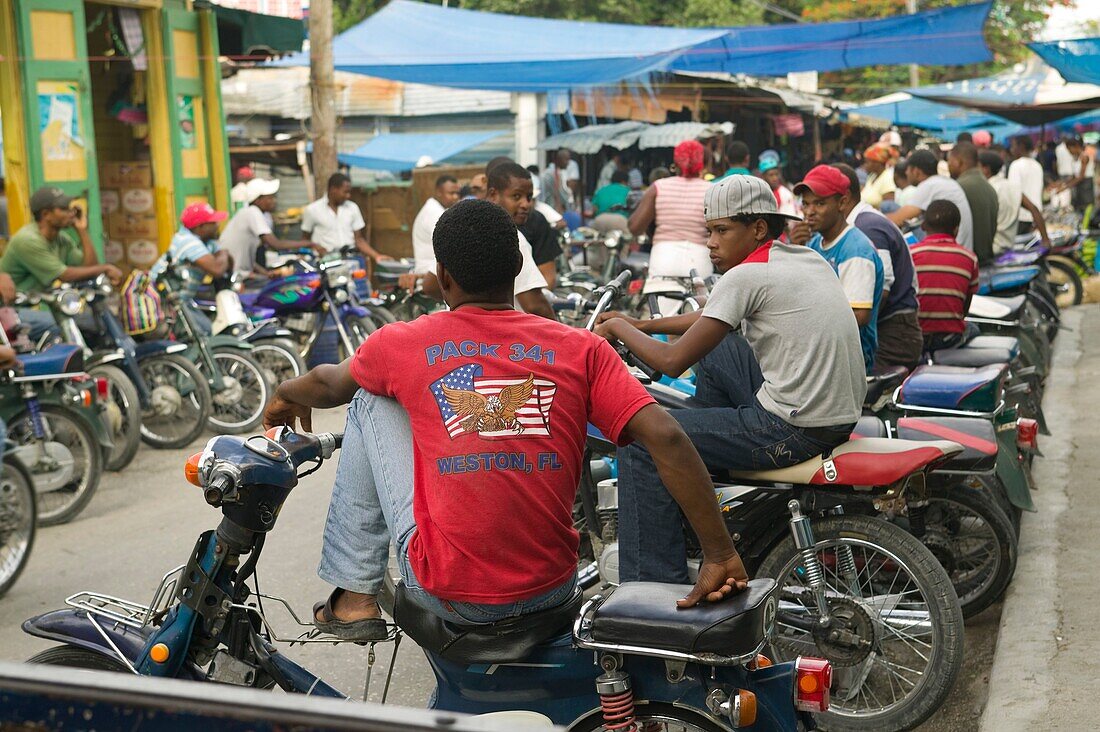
421 99
284 92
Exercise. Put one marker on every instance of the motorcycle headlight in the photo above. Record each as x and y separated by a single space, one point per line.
341 296
70 302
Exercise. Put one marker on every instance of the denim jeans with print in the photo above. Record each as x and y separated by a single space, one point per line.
372 501
731 431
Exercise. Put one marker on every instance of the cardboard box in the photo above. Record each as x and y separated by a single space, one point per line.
122 225
114 252
137 200
136 174
109 201
142 253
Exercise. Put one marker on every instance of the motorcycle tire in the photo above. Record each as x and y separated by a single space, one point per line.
63 504
187 383
1064 280
280 358
73 657
358 329
380 315
901 550
124 395
991 486
240 406
18 513
974 540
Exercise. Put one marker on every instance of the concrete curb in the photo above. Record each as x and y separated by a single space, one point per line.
1021 680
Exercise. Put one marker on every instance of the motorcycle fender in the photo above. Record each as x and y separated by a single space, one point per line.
1013 475
224 341
73 627
349 310
269 329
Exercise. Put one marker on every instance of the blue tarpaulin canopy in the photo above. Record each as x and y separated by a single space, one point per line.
398 152
945 119
1037 96
428 44
1077 59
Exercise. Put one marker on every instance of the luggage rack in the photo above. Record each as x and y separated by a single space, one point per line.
127 612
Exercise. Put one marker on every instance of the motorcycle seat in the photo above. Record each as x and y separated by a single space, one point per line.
668 397
999 279
505 641
869 426
997 308
637 263
954 387
644 615
975 435
884 383
62 358
865 461
980 351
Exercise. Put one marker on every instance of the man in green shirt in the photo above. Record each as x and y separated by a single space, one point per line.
963 164
613 194
46 250
738 156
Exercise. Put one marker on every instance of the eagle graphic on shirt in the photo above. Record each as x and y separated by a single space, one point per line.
493 407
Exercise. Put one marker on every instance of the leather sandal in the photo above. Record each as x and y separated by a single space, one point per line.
365 629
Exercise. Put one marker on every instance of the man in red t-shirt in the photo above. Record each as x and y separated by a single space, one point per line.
489 407
947 278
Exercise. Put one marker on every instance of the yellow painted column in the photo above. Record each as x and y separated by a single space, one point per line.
215 118
160 141
16 175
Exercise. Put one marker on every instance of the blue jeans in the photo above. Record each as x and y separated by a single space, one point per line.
731 431
372 501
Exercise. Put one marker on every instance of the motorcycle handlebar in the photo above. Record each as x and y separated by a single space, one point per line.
631 360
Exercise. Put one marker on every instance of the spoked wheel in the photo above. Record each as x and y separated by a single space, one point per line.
358 329
279 358
379 314
123 415
65 465
17 517
896 633
975 543
180 402
73 657
1065 282
239 406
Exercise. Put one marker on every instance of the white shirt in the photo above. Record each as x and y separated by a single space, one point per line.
423 228
1027 173
332 229
241 236
1064 163
787 202
555 184
939 187
1008 211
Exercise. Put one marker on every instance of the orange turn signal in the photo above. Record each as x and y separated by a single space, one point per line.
762 661
315 282
747 708
359 274
191 470
159 653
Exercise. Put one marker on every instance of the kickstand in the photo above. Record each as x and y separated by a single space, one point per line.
370 668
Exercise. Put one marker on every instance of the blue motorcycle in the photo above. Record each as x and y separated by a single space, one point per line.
628 659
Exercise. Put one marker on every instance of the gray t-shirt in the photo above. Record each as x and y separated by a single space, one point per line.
241 236
790 306
940 188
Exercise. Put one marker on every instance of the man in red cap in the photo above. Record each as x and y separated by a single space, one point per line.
195 244
825 199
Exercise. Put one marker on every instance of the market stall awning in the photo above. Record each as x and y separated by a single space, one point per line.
904 110
405 151
1077 60
242 34
443 46
593 138
1035 97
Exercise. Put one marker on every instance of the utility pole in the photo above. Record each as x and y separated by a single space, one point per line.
323 86
914 70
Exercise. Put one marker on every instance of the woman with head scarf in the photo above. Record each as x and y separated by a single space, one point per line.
674 205
878 161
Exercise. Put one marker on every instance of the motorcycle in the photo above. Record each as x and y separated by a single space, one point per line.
239 386
839 567
700 668
55 429
166 395
18 512
1059 262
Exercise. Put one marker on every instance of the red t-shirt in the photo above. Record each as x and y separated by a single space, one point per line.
499 403
947 274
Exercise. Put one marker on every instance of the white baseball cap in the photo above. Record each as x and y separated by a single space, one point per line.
260 187
891 138
736 195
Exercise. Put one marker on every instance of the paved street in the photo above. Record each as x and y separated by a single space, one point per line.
144 521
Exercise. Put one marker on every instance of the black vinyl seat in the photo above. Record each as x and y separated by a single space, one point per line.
879 384
506 641
644 615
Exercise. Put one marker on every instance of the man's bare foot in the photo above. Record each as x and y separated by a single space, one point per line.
349 606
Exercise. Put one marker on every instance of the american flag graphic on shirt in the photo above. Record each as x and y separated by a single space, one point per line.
532 417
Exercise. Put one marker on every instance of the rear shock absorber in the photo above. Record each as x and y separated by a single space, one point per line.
34 410
804 542
845 560
616 701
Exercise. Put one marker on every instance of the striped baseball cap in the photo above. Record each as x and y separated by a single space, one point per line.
737 195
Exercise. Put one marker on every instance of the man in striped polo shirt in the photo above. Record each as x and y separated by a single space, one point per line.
947 278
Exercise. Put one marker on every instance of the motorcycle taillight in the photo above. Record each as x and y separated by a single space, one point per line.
1027 434
813 677
102 388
